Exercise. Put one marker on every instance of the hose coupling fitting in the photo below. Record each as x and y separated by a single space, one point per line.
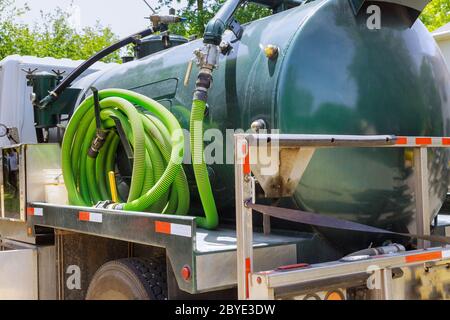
46 101
203 83
103 204
108 204
207 57
97 143
117 206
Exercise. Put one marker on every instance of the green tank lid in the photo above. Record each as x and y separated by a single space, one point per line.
156 43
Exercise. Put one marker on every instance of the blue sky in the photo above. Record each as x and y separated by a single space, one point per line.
123 16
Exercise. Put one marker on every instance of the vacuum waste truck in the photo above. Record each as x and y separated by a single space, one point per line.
299 156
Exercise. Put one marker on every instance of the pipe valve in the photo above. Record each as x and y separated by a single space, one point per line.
207 60
157 19
207 57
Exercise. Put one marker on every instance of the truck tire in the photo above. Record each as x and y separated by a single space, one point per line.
129 279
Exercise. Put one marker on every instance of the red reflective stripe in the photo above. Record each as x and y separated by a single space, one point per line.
446 141
247 272
30 211
247 169
83 216
424 257
244 148
424 141
402 140
162 227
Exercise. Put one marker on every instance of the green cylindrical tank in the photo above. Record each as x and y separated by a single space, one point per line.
333 75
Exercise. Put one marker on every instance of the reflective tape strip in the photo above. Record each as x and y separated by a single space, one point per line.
173 229
423 141
247 169
248 270
35 212
446 254
181 230
246 154
90 216
426 256
402 140
162 227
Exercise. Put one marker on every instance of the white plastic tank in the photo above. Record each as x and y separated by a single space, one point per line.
16 109
442 37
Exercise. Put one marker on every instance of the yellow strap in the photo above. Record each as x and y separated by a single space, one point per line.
112 186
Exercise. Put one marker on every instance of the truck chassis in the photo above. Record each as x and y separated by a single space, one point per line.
59 241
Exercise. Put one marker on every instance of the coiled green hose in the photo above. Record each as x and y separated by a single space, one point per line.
158 182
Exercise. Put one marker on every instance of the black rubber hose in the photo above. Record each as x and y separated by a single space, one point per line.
85 65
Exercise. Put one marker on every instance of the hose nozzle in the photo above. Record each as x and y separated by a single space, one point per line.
51 97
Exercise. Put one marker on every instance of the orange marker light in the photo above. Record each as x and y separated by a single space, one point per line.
335 295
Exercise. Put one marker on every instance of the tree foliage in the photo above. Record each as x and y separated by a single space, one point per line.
199 12
436 14
53 36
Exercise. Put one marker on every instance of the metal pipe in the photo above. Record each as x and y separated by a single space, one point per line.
53 95
217 25
294 140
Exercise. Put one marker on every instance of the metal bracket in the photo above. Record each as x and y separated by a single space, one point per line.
283 170
123 138
418 5
356 5
98 121
13 135
236 28
103 204
59 74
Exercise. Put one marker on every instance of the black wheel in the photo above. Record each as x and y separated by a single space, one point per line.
129 279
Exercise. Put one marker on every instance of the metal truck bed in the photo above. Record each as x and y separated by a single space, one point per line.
207 261
211 255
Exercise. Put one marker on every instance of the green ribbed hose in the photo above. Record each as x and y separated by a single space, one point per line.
158 182
211 219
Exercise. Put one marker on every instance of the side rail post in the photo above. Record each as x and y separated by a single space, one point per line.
421 179
244 223
423 218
